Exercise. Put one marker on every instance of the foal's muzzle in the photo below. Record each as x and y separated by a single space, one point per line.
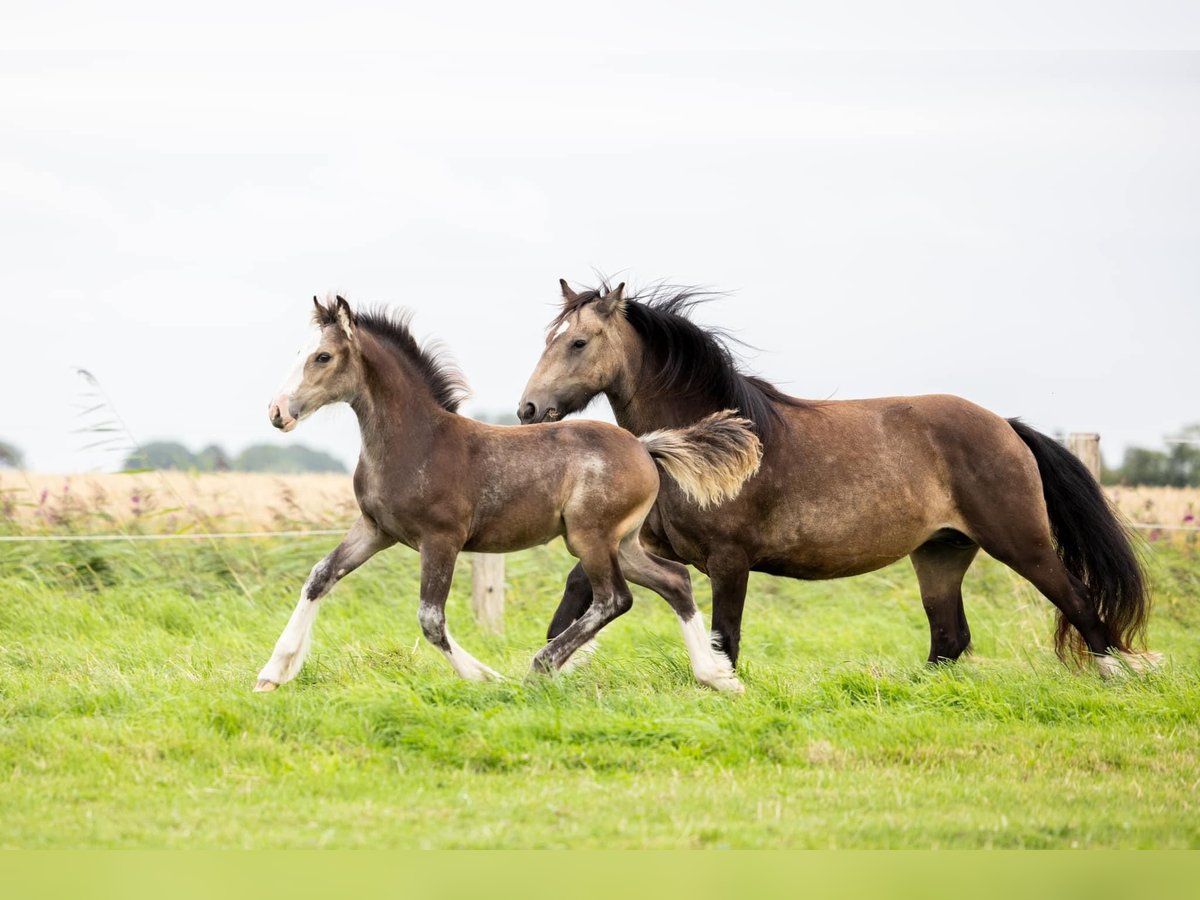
280 413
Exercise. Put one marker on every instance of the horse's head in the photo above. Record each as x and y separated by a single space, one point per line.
583 355
327 368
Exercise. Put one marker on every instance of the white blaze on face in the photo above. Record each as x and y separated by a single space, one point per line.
294 379
562 329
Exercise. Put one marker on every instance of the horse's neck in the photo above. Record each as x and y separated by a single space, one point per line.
640 411
643 414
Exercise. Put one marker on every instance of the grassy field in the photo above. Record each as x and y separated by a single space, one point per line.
128 720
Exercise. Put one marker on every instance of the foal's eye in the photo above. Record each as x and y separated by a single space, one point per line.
323 358
579 344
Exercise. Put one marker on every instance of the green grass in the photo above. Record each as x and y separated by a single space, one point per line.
126 716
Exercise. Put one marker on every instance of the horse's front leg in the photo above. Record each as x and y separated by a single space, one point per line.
437 571
729 572
362 542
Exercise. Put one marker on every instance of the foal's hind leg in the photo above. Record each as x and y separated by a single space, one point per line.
577 597
670 581
940 567
610 598
362 542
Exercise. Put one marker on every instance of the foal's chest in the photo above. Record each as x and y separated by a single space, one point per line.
390 506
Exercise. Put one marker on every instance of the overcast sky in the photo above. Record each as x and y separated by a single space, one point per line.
1018 227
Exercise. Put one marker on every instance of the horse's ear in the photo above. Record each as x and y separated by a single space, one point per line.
568 294
611 302
345 318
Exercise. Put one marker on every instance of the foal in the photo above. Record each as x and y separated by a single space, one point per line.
441 483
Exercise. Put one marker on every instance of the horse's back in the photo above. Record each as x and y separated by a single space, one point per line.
850 486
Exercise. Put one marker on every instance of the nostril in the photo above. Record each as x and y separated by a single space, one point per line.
527 412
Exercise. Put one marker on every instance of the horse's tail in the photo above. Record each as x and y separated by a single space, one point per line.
709 459
1093 545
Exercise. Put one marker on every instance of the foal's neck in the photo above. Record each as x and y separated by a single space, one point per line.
397 415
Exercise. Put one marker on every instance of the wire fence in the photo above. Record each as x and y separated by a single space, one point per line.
328 532
183 536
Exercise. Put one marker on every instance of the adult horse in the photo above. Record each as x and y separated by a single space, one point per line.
442 483
846 487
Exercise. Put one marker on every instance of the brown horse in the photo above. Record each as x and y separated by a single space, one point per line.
441 483
847 487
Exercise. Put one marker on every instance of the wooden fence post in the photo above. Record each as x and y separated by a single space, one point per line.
487 590
1086 445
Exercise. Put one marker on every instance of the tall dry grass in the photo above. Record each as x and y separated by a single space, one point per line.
175 501
171 502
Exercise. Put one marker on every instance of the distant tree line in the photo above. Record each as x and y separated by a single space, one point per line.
255 458
10 456
1176 466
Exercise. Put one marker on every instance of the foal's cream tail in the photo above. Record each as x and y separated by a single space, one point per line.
710 459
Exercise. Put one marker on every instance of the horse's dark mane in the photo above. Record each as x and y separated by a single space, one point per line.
692 361
443 378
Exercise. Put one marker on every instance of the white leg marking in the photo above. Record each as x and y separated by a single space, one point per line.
724 663
468 666
704 661
1119 664
292 646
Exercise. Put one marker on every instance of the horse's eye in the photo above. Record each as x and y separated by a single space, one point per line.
323 358
579 344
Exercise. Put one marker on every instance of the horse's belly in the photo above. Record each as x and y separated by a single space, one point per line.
808 566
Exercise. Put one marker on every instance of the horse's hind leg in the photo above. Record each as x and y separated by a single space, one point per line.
670 581
941 566
1023 543
610 598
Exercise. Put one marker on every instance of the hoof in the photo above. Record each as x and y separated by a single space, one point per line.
728 684
539 672
264 685
478 672
1119 664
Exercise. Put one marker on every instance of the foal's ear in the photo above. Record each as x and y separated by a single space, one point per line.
568 294
610 302
320 313
345 319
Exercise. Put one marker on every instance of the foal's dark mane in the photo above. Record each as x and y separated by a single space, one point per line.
692 361
443 378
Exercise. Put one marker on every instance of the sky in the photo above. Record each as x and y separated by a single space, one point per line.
1001 203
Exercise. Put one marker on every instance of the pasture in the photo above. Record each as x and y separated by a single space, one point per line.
128 719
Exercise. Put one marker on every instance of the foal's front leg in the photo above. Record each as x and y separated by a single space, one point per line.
362 542
437 571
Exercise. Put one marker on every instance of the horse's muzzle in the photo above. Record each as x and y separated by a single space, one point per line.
529 414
